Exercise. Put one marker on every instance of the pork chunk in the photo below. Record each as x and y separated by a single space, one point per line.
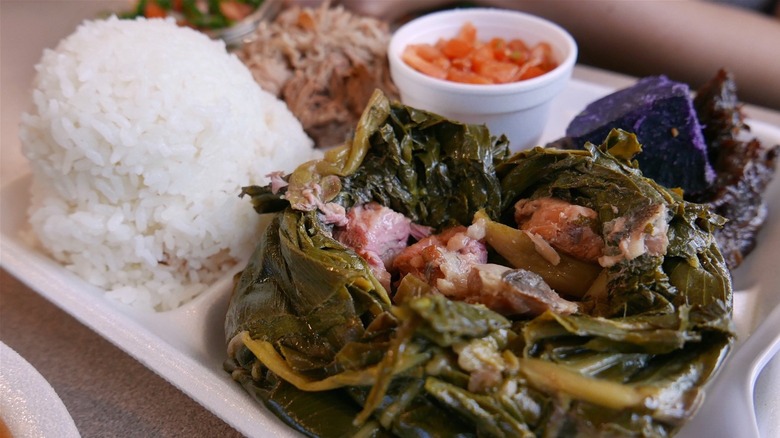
455 263
443 260
514 292
376 233
643 231
566 227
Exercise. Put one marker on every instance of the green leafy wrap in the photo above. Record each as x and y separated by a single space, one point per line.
325 346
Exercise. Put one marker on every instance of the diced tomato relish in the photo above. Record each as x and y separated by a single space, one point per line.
466 59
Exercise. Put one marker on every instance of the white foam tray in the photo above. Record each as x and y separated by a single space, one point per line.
186 346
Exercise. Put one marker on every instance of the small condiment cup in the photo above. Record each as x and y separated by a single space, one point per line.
519 109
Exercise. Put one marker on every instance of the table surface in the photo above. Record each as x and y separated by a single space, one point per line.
107 392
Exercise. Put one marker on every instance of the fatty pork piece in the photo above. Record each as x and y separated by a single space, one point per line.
644 231
572 229
514 291
455 263
376 233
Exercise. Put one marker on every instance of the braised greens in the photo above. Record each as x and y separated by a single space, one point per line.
315 336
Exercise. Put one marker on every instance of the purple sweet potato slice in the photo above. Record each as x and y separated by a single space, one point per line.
661 114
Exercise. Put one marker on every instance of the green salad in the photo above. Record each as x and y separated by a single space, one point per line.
199 14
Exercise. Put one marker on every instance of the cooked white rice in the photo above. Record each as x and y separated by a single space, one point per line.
140 138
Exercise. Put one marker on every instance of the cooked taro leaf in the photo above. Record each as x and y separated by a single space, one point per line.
314 336
596 177
744 167
435 171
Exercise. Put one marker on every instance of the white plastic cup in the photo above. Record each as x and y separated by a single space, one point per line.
519 109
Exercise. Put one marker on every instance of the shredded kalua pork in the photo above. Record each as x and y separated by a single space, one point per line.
324 63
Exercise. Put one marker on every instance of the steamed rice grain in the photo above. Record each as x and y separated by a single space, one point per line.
141 135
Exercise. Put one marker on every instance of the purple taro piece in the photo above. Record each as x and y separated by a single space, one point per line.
660 112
